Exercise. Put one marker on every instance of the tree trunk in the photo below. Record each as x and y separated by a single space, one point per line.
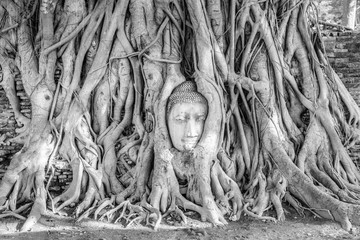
349 13
279 126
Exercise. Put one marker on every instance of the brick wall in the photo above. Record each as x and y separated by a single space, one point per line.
8 123
343 51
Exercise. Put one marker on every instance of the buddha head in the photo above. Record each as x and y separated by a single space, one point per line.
186 114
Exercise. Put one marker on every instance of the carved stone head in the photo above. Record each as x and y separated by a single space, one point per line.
186 115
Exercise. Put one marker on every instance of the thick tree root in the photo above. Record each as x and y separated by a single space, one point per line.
25 179
71 194
251 214
175 213
226 191
128 213
110 213
105 203
301 186
12 214
260 77
88 212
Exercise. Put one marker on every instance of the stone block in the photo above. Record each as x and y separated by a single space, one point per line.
339 45
55 188
337 50
25 110
355 65
341 60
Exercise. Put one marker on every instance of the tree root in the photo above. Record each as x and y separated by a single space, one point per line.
24 176
88 212
251 214
106 203
301 187
90 196
274 72
39 206
228 191
72 194
110 214
261 202
161 194
12 214
175 213
130 213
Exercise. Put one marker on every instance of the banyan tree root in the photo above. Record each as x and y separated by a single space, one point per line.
280 124
23 176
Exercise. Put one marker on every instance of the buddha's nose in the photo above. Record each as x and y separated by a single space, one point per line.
191 129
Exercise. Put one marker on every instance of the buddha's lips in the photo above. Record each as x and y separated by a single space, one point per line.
190 141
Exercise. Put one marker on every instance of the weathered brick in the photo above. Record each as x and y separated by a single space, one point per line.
339 45
26 110
55 188
341 60
340 50
354 65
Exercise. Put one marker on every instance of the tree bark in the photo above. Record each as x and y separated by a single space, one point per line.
349 13
105 113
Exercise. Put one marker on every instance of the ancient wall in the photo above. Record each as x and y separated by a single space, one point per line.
343 50
7 120
8 123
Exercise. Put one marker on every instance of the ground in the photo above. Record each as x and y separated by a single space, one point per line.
295 227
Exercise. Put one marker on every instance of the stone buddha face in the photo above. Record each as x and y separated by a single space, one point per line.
186 115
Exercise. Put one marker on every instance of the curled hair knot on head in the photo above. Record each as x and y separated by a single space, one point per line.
186 92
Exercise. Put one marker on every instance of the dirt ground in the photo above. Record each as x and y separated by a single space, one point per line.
294 227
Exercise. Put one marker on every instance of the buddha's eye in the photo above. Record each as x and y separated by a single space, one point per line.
180 119
201 118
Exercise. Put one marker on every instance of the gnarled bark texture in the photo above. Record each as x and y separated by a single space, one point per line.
280 122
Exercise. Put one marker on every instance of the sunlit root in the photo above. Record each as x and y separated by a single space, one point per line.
72 193
39 206
227 191
162 192
279 125
129 214
12 214
90 196
262 200
88 212
251 214
139 184
277 187
153 213
175 214
104 204
110 213
23 177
